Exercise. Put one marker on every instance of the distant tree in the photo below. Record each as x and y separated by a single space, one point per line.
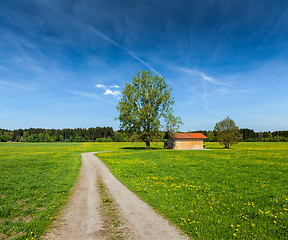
4 138
269 137
281 133
284 139
61 138
26 135
277 138
32 138
248 134
211 136
56 137
17 135
145 105
227 132
47 137
41 137
10 135
116 137
104 140
260 136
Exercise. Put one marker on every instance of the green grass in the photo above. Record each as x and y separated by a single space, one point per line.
216 194
36 180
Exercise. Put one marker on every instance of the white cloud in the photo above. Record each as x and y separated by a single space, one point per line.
108 91
114 93
100 86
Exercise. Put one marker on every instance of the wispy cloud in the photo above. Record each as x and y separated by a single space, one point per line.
211 85
17 85
90 95
204 80
146 64
131 53
202 75
214 113
99 85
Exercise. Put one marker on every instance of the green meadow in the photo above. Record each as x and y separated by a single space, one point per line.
36 180
215 194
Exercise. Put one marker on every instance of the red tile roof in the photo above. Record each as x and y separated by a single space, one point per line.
189 135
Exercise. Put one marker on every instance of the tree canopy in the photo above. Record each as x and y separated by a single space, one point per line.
227 132
146 108
63 135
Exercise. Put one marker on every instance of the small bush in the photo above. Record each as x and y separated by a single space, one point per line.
104 140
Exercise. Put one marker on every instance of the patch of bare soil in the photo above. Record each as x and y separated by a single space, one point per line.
2 236
103 208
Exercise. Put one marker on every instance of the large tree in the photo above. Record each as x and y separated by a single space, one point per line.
227 132
146 108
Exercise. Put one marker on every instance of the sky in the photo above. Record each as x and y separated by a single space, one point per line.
65 63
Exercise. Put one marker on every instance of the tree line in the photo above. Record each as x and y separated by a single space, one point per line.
98 134
249 135
106 134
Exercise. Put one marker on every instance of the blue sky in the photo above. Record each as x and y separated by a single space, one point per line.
64 63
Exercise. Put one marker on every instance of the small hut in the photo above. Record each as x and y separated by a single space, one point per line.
186 141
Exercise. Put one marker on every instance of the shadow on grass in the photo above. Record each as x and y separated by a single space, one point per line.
142 148
219 148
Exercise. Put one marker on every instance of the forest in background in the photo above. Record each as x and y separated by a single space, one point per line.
98 134
249 135
107 134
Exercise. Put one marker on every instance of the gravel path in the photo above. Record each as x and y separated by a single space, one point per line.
86 216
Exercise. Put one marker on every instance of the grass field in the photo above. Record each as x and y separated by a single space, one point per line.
35 183
216 194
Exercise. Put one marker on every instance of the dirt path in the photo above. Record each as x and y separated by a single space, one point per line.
121 216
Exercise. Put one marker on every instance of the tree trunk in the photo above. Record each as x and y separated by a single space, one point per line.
227 145
147 145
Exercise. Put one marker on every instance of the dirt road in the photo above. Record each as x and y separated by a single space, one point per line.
103 208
